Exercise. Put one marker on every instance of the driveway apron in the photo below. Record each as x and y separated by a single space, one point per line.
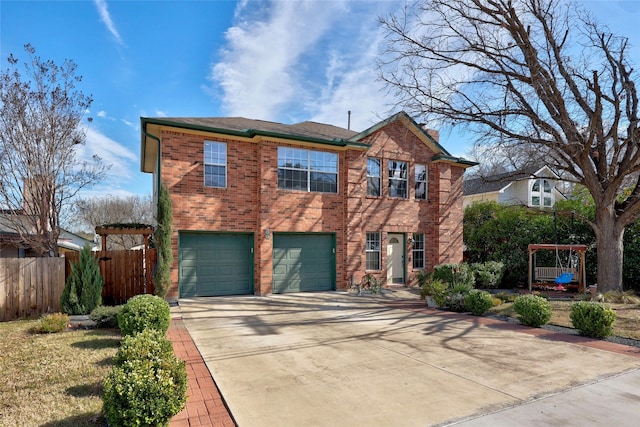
334 359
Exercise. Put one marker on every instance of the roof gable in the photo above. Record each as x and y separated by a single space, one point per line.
499 182
410 124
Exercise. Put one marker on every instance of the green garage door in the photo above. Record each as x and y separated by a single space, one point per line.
303 262
215 264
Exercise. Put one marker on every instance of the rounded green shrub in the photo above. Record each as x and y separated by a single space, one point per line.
533 310
478 302
149 344
142 312
488 274
454 274
106 316
592 319
141 392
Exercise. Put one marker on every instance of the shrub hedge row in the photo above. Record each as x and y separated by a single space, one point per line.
148 383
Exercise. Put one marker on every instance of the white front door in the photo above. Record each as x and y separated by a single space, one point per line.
395 258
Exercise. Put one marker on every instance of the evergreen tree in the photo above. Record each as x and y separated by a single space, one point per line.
162 237
83 289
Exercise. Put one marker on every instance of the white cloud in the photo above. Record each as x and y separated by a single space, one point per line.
103 10
101 113
122 160
294 61
261 71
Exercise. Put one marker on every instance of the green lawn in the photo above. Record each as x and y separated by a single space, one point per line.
53 379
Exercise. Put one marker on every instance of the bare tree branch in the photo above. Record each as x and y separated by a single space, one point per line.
40 133
534 75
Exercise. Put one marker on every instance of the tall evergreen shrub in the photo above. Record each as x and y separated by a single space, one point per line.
162 237
83 289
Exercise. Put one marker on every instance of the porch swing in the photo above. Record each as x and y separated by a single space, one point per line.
559 275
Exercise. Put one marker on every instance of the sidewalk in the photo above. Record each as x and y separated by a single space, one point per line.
205 406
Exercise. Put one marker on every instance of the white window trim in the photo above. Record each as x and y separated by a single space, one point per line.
426 181
379 250
379 176
309 170
405 180
423 251
204 175
541 194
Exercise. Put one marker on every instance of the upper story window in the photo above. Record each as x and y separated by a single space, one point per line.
542 192
373 176
215 164
397 179
421 182
307 170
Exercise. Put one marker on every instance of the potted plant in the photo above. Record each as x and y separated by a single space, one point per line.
434 292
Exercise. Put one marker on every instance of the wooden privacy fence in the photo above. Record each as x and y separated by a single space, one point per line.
126 273
30 286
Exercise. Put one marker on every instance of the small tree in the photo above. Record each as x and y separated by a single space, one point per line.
83 289
40 137
162 237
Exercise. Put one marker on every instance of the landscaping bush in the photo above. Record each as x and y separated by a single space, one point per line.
422 277
83 288
592 319
488 275
478 302
149 344
437 289
106 317
454 274
142 392
533 310
52 323
142 312
456 299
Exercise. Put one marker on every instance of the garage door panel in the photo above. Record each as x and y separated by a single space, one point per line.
303 263
215 264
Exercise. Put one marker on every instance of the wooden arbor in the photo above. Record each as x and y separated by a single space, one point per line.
550 273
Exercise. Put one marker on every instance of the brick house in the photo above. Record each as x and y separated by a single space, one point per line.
262 207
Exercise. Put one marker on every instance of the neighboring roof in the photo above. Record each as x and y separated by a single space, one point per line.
493 183
305 132
66 239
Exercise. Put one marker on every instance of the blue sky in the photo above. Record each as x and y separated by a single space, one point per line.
285 61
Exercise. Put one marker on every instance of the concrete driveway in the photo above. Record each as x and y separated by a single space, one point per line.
333 359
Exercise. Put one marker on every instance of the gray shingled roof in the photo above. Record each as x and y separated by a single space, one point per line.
490 184
305 129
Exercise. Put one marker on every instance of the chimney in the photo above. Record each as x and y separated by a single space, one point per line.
349 120
433 134
36 196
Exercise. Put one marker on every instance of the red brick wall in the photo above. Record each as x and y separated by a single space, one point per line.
391 215
253 203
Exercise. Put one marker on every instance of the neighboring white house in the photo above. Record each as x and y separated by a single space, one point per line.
534 188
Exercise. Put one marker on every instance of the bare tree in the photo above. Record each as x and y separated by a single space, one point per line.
40 133
537 73
97 211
